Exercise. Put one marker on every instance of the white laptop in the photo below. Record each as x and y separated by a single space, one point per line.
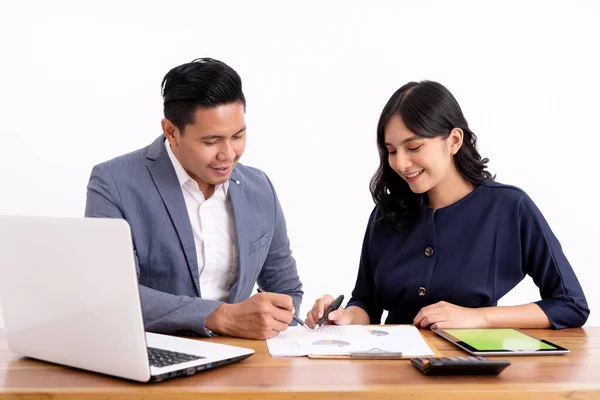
69 295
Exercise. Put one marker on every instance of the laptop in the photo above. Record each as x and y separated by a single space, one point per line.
69 295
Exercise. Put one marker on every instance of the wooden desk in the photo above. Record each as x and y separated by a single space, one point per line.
573 376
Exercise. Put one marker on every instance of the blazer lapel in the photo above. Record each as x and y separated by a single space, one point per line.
165 179
238 198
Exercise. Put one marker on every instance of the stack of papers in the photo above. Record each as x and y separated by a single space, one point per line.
342 340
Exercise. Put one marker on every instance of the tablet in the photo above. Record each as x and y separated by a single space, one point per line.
496 342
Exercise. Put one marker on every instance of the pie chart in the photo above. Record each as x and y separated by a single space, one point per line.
331 342
377 332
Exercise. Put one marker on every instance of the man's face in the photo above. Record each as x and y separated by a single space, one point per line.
209 148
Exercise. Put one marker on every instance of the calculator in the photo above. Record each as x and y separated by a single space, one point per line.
459 365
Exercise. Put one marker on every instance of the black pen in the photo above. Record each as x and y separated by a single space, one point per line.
298 320
334 306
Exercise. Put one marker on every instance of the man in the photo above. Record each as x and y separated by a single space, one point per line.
205 228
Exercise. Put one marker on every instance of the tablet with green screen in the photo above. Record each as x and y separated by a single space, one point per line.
491 342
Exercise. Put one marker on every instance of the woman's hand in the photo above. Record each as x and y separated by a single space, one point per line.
341 316
447 315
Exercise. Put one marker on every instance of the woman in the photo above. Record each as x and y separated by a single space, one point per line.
445 242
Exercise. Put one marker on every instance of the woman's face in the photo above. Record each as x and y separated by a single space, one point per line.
422 163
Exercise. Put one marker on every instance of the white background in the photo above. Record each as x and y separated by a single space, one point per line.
81 84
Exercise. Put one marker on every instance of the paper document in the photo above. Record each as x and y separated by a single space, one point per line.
343 340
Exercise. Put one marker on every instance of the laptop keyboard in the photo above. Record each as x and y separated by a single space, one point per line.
164 358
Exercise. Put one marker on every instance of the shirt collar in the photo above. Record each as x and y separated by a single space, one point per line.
183 177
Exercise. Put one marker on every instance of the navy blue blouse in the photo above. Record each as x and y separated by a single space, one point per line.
470 253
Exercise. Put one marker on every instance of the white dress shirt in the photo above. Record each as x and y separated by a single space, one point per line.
214 234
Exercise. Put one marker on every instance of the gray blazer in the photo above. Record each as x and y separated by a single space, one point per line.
142 188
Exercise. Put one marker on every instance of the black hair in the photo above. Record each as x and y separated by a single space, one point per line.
202 83
428 110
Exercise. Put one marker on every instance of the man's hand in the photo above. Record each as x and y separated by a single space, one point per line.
447 315
262 316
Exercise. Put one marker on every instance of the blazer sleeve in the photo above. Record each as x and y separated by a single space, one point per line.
543 259
363 295
162 312
279 273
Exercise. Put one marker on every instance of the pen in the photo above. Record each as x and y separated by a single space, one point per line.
334 306
298 320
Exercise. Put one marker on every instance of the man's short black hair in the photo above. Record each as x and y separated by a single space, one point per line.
202 83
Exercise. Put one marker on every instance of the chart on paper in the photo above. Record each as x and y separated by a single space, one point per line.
405 339
298 341
343 340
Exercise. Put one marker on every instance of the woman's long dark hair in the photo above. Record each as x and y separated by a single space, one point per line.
428 110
